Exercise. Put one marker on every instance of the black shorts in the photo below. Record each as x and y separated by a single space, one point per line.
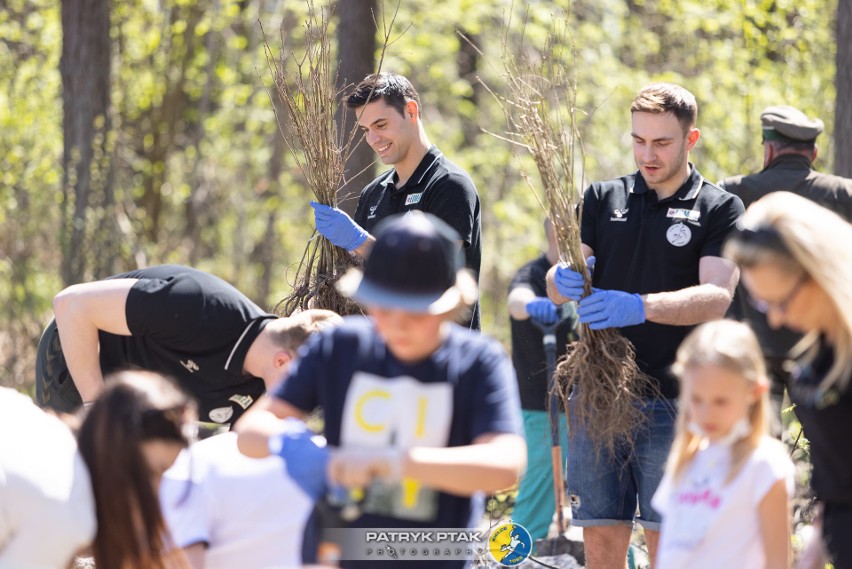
54 387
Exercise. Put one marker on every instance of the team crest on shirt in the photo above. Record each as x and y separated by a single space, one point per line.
619 214
221 414
412 199
679 234
190 366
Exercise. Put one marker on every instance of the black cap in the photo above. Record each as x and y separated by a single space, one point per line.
412 266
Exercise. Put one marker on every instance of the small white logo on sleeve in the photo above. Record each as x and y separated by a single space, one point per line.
679 234
242 400
412 199
221 414
190 366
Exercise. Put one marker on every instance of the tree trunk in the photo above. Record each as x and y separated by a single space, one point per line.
198 198
843 104
356 41
85 70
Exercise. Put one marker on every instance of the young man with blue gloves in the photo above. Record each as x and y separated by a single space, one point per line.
389 114
657 236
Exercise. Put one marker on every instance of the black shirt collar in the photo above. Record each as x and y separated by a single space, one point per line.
688 191
786 161
237 357
419 175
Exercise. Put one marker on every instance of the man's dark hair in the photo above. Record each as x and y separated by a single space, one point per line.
395 89
805 147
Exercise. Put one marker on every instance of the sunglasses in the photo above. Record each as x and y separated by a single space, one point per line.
781 306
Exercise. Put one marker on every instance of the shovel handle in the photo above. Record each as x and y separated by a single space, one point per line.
549 340
558 488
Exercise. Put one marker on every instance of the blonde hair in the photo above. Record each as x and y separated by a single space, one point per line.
291 332
732 346
812 241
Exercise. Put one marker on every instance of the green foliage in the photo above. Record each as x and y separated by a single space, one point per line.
201 176
30 174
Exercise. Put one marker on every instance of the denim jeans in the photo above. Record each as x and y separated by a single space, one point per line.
606 489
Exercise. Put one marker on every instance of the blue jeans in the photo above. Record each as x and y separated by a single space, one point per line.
535 504
605 490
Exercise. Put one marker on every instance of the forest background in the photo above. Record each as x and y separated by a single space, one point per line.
140 132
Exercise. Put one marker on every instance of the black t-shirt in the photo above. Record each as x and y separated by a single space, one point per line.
370 399
439 187
644 245
528 354
827 423
195 328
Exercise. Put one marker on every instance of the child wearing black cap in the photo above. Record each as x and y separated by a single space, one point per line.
423 413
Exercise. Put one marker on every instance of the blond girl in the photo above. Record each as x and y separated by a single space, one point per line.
725 497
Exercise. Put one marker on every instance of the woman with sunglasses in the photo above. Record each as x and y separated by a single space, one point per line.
796 261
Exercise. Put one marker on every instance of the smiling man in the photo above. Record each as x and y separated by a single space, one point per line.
657 236
388 111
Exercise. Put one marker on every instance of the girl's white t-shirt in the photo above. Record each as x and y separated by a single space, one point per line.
710 524
248 511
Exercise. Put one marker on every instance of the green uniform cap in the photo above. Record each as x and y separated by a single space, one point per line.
783 122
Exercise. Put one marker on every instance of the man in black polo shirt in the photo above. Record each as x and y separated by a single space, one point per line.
388 111
657 236
175 320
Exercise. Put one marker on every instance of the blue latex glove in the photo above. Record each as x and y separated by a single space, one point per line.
611 309
569 283
305 460
543 310
336 226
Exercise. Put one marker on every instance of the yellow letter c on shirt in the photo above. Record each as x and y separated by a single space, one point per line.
359 411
